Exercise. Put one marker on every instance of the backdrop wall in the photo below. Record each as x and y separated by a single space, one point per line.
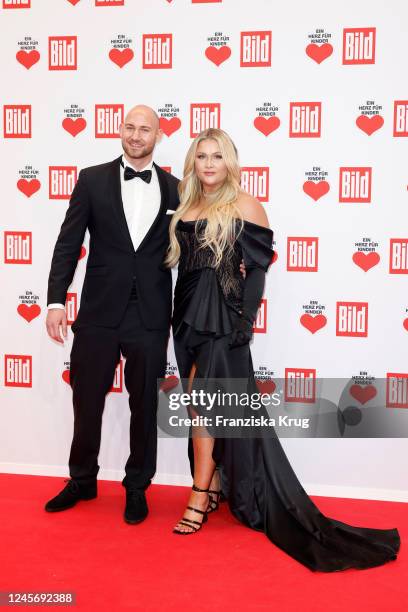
314 97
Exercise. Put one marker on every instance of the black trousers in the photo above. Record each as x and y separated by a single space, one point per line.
94 357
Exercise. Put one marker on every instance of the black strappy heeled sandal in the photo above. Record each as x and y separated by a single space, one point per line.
213 504
215 495
189 522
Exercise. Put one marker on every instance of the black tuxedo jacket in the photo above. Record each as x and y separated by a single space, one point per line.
96 204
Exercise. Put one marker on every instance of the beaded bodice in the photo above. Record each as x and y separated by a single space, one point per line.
194 257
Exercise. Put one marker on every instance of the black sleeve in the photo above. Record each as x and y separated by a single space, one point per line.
256 244
69 242
253 292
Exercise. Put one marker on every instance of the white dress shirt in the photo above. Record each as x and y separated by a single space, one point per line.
141 204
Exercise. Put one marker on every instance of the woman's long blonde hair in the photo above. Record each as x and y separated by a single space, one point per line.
220 229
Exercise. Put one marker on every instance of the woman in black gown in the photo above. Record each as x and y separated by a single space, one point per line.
216 226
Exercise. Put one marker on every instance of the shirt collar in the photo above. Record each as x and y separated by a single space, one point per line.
125 163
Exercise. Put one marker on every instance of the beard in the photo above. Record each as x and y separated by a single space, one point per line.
137 153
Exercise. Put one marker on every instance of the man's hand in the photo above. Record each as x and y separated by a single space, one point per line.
56 324
242 269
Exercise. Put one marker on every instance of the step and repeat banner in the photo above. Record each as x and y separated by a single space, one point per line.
314 96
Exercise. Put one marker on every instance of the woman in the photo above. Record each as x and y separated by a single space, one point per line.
215 227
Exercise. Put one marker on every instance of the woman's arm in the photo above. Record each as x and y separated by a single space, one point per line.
253 212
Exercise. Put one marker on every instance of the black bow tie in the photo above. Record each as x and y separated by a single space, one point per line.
146 175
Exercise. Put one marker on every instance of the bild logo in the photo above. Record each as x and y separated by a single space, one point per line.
109 2
302 254
204 116
305 119
359 45
17 247
157 50
16 4
352 319
17 120
18 371
355 185
71 307
108 118
255 181
300 385
62 181
256 49
397 390
117 385
398 256
400 118
260 324
62 53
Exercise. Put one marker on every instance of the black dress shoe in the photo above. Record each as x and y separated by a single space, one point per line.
71 495
136 506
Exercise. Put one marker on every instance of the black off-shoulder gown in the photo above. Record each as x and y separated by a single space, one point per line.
258 481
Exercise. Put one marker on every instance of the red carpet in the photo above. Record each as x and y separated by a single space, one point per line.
113 566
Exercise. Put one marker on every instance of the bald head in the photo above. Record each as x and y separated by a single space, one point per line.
145 111
140 133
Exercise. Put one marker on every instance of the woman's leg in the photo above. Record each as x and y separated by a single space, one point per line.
204 467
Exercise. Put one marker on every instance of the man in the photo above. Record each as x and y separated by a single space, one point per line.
125 305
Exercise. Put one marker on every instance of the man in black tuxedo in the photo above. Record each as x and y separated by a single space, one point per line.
125 305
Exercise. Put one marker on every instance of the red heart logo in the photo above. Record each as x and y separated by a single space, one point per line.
405 324
266 386
74 126
366 260
218 55
169 126
316 190
121 57
28 58
313 323
267 125
66 376
74 2
169 383
369 124
274 257
28 187
82 253
28 311
363 394
319 53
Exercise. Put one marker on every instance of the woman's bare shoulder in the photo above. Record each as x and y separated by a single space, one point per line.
252 210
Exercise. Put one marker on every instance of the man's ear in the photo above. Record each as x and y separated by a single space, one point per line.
159 135
121 130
